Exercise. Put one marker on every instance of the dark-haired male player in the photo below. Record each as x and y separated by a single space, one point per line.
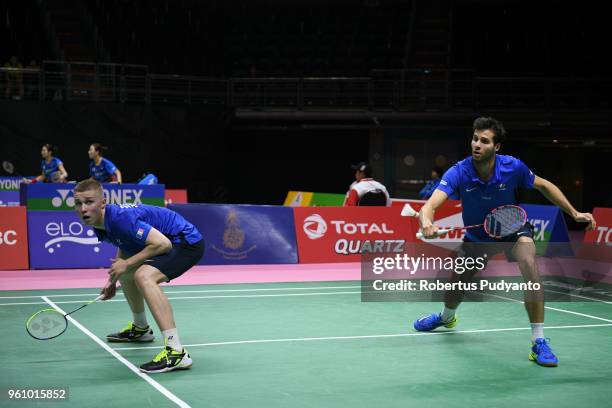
484 181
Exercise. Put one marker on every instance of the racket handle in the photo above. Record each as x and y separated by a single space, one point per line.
439 232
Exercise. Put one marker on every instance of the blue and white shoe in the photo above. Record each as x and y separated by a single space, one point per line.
433 321
542 354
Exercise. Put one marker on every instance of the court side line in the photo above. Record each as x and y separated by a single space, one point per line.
579 296
554 308
197 297
125 362
189 291
374 336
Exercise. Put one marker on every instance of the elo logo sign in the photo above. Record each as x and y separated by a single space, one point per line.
69 232
59 240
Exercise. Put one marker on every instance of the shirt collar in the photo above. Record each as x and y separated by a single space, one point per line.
474 175
102 233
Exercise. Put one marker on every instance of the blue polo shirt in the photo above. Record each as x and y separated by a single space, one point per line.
128 225
479 197
50 168
103 171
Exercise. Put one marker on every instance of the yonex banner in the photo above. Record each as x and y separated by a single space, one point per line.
548 226
328 234
58 197
59 240
13 238
9 191
243 234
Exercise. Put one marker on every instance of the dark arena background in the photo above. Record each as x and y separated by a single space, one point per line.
256 111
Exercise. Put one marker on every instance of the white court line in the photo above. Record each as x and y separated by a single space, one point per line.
579 296
199 297
189 291
125 362
553 308
374 336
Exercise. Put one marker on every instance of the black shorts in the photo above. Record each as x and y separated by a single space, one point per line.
476 249
181 257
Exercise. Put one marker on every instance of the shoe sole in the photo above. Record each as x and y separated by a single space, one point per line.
449 325
534 359
121 340
182 366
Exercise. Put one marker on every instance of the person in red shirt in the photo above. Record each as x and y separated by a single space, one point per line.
366 191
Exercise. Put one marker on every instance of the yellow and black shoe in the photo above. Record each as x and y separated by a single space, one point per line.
168 359
132 333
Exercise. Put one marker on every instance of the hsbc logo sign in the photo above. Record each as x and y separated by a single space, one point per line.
315 227
8 237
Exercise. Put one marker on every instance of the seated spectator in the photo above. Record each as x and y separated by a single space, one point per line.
366 191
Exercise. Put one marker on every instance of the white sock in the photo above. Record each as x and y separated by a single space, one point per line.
448 314
171 335
140 319
537 331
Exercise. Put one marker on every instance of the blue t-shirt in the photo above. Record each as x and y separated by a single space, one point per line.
479 197
49 169
127 226
102 172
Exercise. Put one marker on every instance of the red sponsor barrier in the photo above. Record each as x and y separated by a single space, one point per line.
333 234
598 242
602 234
447 215
176 196
13 238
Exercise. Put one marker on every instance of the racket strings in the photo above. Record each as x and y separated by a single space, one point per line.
46 324
505 221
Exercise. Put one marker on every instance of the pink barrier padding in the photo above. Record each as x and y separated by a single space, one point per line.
225 274
198 275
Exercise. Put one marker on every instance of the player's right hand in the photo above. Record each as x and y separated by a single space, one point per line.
109 291
430 231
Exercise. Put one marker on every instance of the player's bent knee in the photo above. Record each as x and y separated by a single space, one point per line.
148 275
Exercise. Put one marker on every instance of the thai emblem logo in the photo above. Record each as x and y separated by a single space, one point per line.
233 239
63 198
314 226
61 232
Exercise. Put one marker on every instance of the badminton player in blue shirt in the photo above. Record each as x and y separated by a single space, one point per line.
100 168
484 181
52 168
155 245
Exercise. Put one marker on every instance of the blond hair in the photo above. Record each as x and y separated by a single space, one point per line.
87 185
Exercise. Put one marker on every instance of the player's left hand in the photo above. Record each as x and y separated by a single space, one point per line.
119 266
586 217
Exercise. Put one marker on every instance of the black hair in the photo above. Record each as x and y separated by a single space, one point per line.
52 149
484 123
99 148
